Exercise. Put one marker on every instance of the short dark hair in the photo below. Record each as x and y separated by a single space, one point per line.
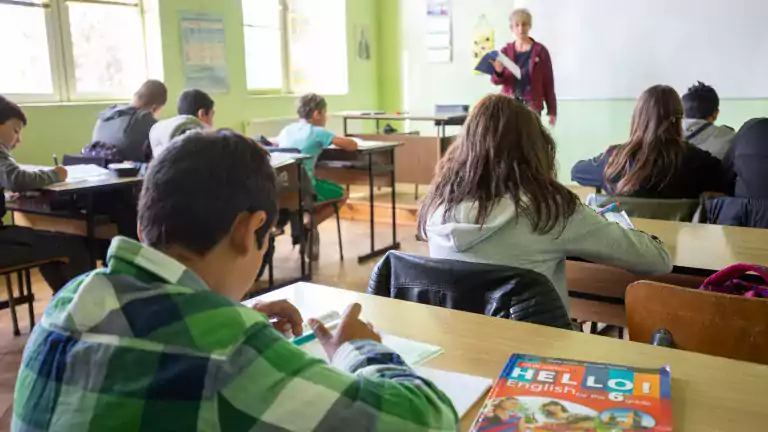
192 101
309 103
9 110
151 93
195 190
701 102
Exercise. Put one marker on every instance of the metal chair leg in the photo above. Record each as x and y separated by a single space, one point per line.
12 304
621 333
338 231
311 242
31 298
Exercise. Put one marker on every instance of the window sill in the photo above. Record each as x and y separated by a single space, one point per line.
73 104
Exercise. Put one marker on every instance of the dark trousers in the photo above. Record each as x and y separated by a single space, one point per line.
20 245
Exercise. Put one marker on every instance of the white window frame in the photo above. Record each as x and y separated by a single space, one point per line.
285 46
60 53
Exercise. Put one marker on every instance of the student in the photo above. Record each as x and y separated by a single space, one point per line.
158 339
749 158
496 199
19 245
127 126
196 113
656 162
310 136
702 107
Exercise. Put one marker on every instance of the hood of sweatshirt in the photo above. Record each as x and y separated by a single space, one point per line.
460 232
163 132
117 111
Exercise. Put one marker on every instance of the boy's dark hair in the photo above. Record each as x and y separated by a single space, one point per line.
195 190
309 103
701 102
192 101
9 110
151 93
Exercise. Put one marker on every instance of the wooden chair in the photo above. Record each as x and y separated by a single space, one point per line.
26 296
700 321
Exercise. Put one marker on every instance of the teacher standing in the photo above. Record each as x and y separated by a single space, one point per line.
536 85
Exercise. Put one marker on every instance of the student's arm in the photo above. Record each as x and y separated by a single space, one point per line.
594 238
589 172
15 179
370 388
345 143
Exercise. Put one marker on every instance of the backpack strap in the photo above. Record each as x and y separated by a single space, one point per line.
698 131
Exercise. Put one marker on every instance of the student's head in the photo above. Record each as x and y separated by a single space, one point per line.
701 103
520 21
655 144
210 201
197 103
554 409
12 121
314 109
503 151
151 96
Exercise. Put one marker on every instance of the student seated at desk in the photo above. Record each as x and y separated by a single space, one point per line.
20 245
656 162
195 108
702 107
310 136
158 340
126 127
496 199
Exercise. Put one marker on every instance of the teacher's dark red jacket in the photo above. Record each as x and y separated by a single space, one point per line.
542 87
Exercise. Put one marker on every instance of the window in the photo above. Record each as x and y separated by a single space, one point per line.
295 46
70 50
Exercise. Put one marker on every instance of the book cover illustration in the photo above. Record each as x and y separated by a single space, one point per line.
539 394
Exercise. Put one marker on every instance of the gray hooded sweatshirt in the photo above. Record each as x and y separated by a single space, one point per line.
714 139
127 128
505 239
165 131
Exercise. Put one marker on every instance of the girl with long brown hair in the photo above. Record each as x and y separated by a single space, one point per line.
656 162
496 199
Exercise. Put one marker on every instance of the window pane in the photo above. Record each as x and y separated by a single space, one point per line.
108 48
29 68
261 13
263 58
318 37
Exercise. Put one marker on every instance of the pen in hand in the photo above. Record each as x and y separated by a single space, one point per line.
55 160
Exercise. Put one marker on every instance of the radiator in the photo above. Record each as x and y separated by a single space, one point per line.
271 127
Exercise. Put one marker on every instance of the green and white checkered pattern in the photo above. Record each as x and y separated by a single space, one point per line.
145 345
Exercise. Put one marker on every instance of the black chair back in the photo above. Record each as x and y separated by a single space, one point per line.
493 290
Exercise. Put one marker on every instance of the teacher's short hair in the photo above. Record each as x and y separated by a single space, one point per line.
521 15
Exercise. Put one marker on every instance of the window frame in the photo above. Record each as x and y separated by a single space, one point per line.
285 46
61 53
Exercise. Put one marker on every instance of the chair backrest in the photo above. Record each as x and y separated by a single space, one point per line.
499 291
700 321
678 210
69 160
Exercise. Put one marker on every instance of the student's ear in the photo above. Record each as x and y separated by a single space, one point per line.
243 234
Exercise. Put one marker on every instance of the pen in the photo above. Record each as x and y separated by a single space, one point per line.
304 339
55 160
608 209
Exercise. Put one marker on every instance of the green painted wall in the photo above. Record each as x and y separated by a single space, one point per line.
66 128
584 129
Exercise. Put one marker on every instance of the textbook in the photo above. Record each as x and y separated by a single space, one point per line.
541 394
485 66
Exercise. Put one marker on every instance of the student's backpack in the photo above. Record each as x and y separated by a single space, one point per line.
727 281
102 150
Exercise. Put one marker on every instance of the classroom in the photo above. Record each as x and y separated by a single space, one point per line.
394 215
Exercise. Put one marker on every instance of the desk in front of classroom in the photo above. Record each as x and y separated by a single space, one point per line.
708 393
373 164
417 158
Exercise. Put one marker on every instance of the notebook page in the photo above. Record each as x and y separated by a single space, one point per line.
463 390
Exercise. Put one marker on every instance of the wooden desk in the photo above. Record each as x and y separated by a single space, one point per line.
708 393
419 156
373 164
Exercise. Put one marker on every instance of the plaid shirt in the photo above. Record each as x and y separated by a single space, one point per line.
145 345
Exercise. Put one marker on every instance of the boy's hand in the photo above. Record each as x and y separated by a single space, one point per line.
61 172
350 328
288 317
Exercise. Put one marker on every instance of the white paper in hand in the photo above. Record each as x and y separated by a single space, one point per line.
620 218
509 64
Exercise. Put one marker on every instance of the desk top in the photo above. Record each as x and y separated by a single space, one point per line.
396 117
281 160
708 393
93 185
708 247
371 146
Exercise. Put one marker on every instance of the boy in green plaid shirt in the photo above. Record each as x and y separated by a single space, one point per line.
157 340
